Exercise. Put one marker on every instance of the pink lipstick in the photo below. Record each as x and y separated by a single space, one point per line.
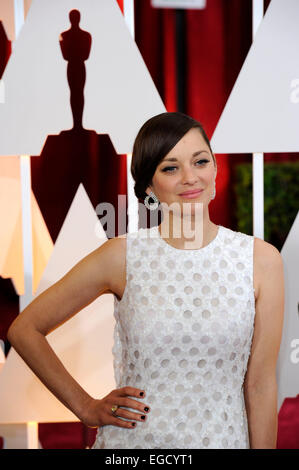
191 194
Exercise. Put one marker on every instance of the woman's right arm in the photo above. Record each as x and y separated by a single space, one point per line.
88 279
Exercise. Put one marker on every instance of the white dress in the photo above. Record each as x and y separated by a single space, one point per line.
183 334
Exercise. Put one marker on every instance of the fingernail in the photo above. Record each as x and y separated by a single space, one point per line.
146 408
141 394
133 424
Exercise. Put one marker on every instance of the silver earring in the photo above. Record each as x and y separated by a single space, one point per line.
214 191
153 206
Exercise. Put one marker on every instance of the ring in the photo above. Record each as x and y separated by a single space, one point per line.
114 408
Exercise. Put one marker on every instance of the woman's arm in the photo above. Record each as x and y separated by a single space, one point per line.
260 386
88 279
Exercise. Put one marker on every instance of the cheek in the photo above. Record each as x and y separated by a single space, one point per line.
164 183
210 175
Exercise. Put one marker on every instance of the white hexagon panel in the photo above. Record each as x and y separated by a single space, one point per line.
288 359
119 94
262 112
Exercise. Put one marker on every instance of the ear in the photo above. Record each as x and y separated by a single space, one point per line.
216 167
148 190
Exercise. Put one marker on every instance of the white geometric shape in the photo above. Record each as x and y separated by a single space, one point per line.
128 9
11 254
15 436
2 92
83 343
258 194
257 15
288 359
19 14
119 92
185 4
259 115
25 180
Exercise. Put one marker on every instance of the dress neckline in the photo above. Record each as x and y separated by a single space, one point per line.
155 231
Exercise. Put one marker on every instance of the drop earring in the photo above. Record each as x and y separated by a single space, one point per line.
154 205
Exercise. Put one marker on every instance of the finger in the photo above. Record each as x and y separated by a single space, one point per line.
135 405
123 424
134 392
130 415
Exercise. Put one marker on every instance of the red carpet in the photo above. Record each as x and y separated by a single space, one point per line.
288 424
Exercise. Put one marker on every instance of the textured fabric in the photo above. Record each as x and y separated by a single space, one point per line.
183 333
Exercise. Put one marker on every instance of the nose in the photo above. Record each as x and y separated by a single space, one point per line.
189 175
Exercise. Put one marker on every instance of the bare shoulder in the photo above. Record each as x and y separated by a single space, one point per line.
118 249
266 259
265 253
117 244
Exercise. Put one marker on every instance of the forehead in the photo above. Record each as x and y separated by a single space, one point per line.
191 142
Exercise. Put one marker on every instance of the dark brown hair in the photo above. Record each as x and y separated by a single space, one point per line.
154 140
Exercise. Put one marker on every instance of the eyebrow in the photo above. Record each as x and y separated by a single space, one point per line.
173 159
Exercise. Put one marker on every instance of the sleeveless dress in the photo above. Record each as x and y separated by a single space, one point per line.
183 333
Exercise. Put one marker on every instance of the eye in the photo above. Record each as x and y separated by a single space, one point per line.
203 160
169 169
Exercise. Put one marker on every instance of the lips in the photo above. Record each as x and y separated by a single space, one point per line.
193 193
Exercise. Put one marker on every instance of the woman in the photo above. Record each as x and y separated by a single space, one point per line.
197 330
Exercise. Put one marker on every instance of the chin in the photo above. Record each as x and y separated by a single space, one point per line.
194 211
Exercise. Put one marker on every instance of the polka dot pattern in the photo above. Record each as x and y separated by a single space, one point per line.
183 333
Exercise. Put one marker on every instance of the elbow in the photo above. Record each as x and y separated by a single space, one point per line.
16 332
13 333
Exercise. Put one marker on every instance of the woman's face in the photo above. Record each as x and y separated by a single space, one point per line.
191 168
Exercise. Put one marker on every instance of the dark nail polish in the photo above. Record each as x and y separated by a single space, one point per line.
146 408
142 417
133 424
141 394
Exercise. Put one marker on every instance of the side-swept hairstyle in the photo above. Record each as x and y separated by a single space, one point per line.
154 140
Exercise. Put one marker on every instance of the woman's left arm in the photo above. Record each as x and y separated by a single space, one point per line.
260 386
